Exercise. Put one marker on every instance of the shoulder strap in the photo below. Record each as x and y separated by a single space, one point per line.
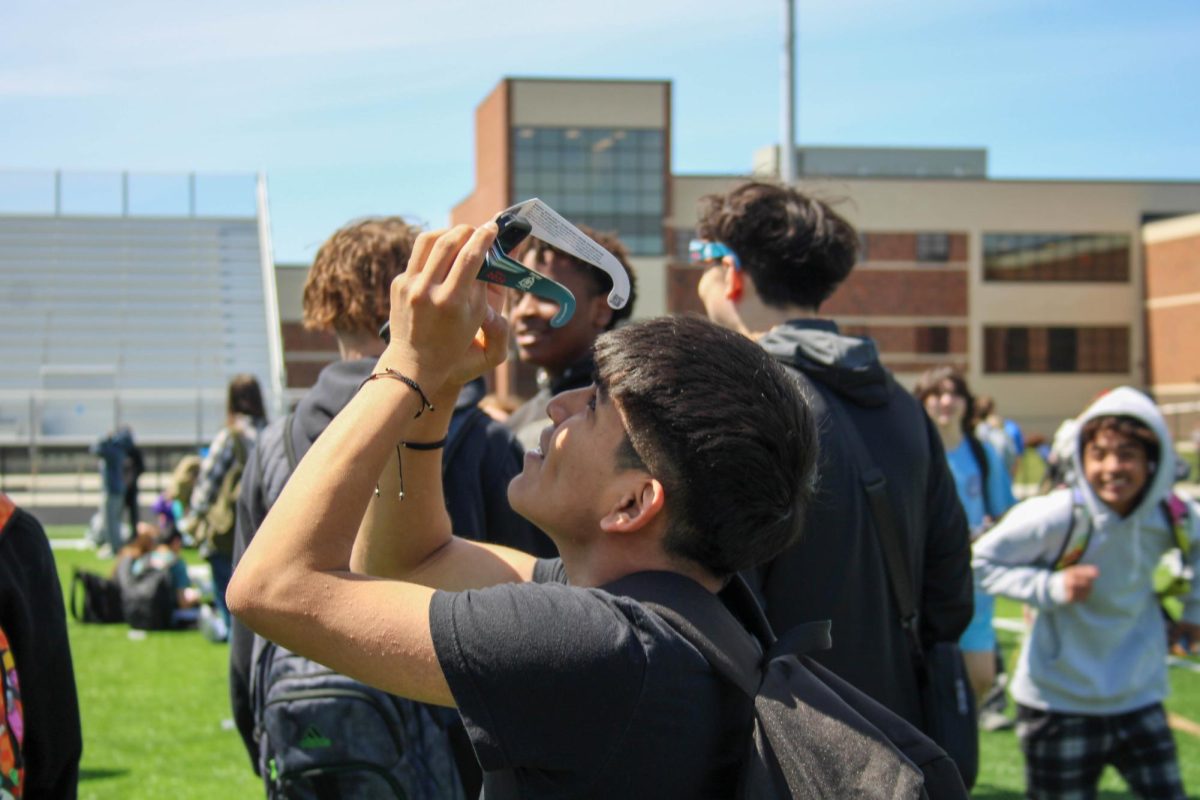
981 461
875 486
700 617
289 444
1079 533
1176 511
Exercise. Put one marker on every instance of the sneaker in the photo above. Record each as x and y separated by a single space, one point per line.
212 625
990 720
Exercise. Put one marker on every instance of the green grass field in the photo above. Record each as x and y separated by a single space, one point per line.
156 718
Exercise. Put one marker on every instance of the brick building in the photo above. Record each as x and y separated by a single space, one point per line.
1036 288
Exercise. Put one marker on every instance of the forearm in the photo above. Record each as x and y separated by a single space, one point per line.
311 527
396 535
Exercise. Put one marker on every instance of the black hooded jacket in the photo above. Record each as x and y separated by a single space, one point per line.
836 571
480 459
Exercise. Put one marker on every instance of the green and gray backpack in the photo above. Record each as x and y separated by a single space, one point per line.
1172 577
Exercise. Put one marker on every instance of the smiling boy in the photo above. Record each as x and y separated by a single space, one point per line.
690 458
1092 675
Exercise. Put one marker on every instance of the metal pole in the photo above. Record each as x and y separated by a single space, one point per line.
787 144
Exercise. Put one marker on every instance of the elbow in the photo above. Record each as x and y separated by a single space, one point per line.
246 596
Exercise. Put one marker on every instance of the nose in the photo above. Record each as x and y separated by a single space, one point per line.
566 404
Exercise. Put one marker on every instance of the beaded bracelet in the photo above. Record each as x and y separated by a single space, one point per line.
388 372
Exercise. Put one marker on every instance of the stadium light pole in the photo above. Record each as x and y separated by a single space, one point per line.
787 144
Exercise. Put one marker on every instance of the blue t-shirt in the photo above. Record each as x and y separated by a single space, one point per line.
969 481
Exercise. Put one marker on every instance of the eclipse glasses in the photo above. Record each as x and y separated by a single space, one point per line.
535 218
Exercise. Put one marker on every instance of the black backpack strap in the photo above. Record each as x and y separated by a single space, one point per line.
875 486
700 617
985 469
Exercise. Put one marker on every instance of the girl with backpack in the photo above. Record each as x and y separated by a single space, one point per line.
985 491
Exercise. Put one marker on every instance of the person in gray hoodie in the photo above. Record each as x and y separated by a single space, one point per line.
771 256
1092 675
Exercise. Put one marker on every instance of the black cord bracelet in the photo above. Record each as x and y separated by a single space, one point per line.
426 446
388 372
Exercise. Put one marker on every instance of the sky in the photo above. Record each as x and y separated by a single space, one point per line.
362 107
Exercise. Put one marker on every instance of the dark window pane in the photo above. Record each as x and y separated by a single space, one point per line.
1016 350
1061 354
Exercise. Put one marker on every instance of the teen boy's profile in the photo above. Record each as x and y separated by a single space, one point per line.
1092 676
691 457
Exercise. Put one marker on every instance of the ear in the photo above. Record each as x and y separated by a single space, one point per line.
637 508
734 282
599 312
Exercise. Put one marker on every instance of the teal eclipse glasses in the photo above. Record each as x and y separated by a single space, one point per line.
535 218
701 252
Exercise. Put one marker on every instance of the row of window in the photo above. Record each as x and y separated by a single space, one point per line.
1056 257
1099 349
611 179
1006 256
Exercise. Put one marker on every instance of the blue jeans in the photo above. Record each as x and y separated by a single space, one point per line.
222 571
114 507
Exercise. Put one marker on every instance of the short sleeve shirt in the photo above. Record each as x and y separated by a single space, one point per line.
571 692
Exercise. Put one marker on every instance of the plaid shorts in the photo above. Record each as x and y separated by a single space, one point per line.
1065 753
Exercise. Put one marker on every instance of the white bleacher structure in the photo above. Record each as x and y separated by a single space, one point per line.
132 314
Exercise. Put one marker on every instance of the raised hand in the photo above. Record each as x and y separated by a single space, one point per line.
444 332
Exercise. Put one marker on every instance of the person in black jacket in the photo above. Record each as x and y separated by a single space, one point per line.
347 293
771 257
34 620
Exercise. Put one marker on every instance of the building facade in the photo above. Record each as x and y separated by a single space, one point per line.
1036 289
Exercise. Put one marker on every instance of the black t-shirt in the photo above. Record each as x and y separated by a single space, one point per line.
569 692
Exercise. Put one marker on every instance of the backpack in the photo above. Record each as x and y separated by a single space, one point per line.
321 734
814 735
215 528
12 712
95 598
1172 577
147 595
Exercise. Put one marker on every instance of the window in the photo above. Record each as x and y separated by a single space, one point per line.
610 179
1100 257
1058 349
933 339
933 247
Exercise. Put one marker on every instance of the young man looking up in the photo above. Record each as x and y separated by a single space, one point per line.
1092 674
772 256
563 355
690 457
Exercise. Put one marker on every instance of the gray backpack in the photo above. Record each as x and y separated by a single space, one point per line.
323 735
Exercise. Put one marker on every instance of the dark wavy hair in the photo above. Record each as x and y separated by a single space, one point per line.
727 432
795 248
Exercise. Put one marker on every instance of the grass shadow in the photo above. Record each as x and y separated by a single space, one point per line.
100 774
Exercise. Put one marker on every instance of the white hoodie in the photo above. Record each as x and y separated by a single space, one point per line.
1105 655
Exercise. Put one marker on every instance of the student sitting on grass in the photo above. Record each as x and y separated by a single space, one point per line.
1092 676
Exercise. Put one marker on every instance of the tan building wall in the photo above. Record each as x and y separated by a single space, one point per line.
884 296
